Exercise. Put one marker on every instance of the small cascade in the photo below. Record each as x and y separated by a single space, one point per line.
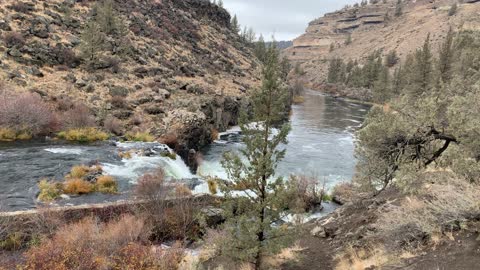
147 157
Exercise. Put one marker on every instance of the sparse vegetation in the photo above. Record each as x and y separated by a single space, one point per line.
106 184
83 135
139 137
49 191
77 187
81 180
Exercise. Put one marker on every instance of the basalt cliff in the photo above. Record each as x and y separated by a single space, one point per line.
355 32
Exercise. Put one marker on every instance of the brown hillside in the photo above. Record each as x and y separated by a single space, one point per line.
184 72
375 27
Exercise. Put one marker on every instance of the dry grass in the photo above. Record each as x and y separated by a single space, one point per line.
298 100
49 191
106 184
212 185
79 171
140 137
78 187
215 134
7 134
83 135
360 259
439 207
289 254
182 190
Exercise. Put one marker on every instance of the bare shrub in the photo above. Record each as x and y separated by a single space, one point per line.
151 186
28 113
114 125
78 117
12 39
344 192
88 243
66 57
137 119
119 102
136 256
306 192
172 215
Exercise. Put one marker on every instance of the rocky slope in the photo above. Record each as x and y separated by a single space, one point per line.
185 73
375 27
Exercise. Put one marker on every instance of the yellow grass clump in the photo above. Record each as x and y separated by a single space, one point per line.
49 191
8 135
298 100
106 184
83 135
77 187
182 191
140 137
212 185
78 172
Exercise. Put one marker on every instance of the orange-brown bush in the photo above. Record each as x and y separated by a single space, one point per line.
135 256
87 244
27 113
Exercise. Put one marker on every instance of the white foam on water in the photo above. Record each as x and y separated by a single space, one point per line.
71 151
136 166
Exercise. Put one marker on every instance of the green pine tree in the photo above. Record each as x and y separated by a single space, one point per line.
252 216
92 41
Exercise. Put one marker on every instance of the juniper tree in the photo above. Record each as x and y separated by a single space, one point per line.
398 9
446 57
453 9
260 49
234 25
439 127
423 72
336 73
251 217
92 41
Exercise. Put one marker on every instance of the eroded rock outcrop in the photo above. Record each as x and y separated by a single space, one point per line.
374 27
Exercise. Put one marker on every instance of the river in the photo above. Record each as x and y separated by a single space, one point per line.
321 143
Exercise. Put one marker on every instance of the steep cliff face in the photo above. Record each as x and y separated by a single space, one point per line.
182 58
376 27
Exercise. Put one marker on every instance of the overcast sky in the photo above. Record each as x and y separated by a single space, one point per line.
287 19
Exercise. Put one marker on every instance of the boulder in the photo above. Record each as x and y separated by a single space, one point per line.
319 231
40 27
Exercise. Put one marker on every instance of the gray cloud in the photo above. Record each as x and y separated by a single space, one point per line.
285 19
